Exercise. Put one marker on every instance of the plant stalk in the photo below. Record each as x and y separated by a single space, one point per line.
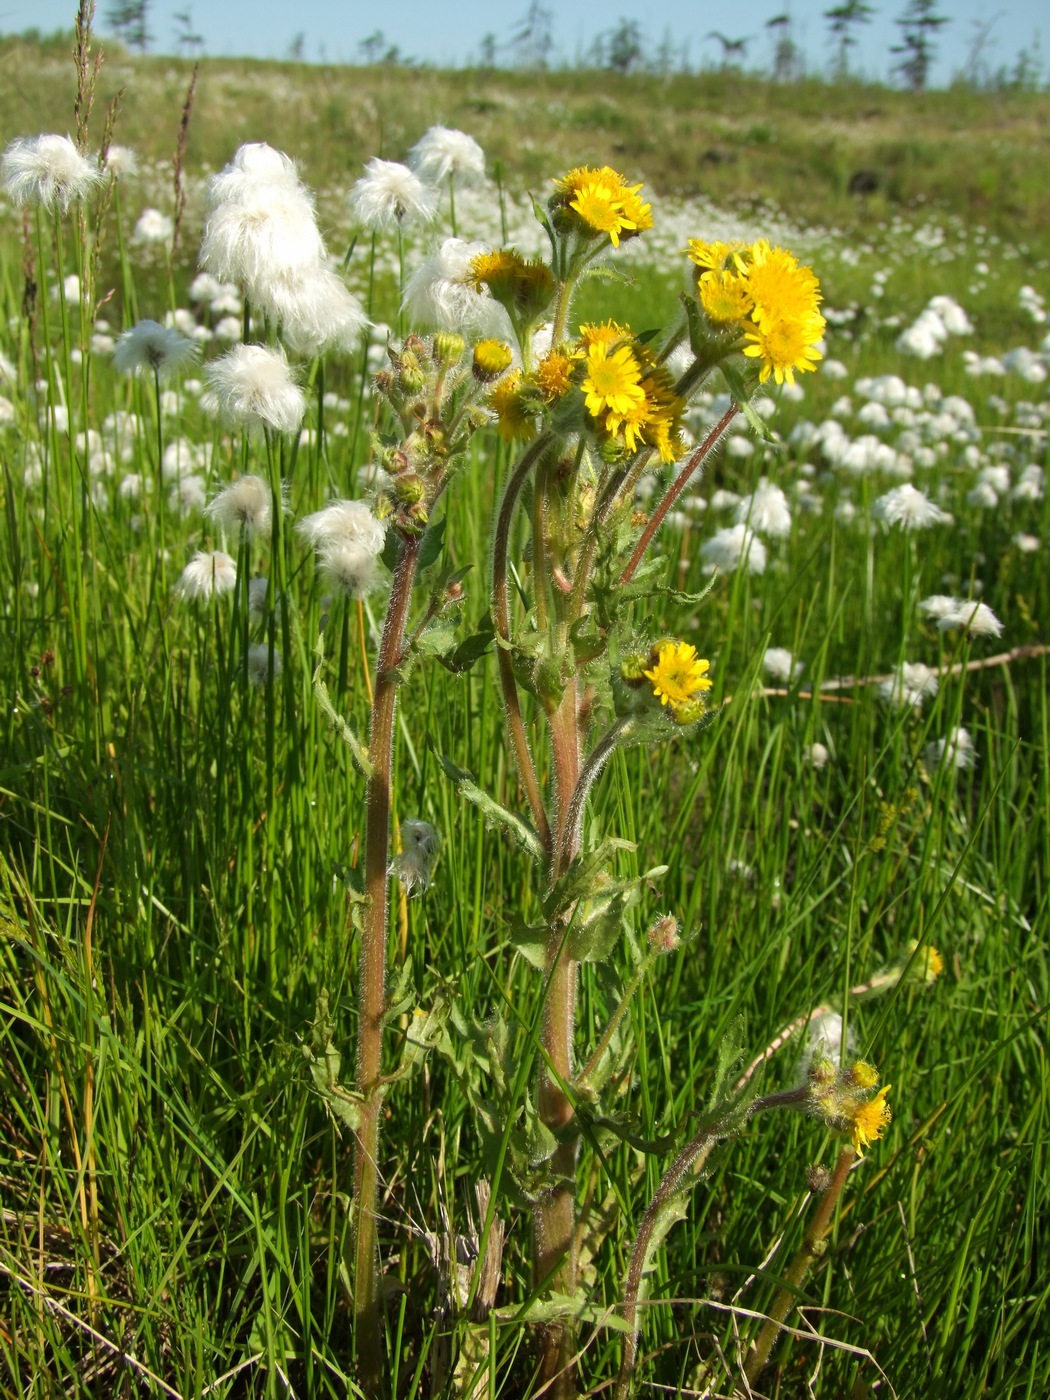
813 1247
372 975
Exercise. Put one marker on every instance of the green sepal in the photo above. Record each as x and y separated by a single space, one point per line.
494 813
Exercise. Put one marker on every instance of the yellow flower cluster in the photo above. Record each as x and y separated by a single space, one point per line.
679 680
523 285
769 295
843 1098
603 202
629 395
629 399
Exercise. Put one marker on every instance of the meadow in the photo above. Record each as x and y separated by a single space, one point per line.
183 824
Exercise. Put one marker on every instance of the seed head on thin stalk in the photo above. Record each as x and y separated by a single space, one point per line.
47 170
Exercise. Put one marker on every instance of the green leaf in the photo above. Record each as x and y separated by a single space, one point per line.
531 942
741 392
402 994
358 750
494 813
699 335
472 648
433 543
581 880
438 638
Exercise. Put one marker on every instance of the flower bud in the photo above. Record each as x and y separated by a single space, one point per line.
663 936
448 347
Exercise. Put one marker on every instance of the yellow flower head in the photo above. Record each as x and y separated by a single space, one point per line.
781 289
786 346
869 1120
928 964
713 258
725 296
520 284
613 381
678 675
514 414
491 358
553 375
603 202
604 333
496 269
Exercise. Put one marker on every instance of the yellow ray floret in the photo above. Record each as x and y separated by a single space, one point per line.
613 381
678 675
870 1119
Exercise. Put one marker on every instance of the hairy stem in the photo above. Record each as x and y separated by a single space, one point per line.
501 622
813 1246
675 491
712 1129
372 976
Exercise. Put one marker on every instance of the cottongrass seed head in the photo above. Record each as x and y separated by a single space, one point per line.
956 751
420 845
343 522
909 508
349 567
151 348
389 195
734 547
263 664
254 388
910 686
206 576
246 504
47 170
780 665
443 153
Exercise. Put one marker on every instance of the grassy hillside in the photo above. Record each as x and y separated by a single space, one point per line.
730 137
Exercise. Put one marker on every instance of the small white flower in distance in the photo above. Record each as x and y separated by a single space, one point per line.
343 522
153 348
207 575
243 505
956 751
121 161
46 170
188 494
780 665
1030 484
263 664
824 1040
817 755
1027 544
975 619
253 386
909 508
766 510
443 153
257 589
420 845
737 445
910 686
723 499
389 195
349 567
153 227
734 547
939 605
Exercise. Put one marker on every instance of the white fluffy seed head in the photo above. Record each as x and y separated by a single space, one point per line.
149 347
389 195
263 664
909 508
245 504
316 312
253 387
263 239
443 153
349 567
343 522
437 295
47 170
910 686
206 576
734 547
766 510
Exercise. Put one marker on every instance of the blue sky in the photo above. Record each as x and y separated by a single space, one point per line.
451 33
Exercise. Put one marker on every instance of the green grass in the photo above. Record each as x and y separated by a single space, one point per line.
174 842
